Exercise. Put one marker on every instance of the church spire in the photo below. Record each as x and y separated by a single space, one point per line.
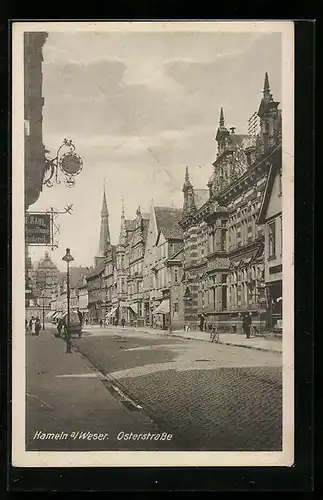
187 182
266 84
104 210
104 230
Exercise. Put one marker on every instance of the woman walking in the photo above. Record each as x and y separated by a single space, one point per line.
37 326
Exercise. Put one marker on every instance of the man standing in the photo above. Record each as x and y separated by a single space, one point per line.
202 318
246 322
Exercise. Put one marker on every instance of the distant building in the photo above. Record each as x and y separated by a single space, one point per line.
43 278
83 296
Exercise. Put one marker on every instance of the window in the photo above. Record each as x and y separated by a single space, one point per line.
271 240
223 240
175 275
176 307
280 184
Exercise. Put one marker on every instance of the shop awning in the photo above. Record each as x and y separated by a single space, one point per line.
111 313
60 315
50 314
133 308
56 314
163 308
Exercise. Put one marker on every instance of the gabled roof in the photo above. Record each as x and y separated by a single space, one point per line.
167 222
98 270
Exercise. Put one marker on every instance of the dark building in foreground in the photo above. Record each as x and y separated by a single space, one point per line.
224 259
33 116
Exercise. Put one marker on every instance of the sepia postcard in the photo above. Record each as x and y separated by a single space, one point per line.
152 238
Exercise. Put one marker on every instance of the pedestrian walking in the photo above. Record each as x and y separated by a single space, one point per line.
123 322
202 319
37 326
101 323
59 327
80 315
32 323
246 324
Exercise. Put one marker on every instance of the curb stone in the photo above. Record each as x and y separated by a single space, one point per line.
206 340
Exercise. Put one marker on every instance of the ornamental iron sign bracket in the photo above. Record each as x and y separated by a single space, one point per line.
69 163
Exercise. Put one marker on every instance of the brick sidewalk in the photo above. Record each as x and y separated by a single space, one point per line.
235 339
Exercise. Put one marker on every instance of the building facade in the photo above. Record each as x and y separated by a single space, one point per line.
162 268
43 279
129 271
33 115
270 216
224 258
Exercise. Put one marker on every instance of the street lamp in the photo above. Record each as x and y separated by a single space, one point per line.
170 310
68 258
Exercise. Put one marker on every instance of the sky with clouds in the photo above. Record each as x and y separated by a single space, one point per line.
139 107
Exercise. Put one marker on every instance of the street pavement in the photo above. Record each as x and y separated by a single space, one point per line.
213 396
207 396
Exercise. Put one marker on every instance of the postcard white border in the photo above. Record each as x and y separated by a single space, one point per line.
23 458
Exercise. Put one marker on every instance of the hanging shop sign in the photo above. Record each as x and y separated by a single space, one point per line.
37 228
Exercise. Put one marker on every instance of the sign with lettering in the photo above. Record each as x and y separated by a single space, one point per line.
37 229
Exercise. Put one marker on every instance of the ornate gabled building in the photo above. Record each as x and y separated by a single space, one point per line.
223 244
162 268
129 274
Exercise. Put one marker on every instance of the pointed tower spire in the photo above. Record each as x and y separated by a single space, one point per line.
187 182
222 132
104 230
266 84
104 210
266 92
221 122
122 209
189 202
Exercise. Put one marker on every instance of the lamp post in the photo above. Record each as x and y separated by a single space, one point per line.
187 300
170 309
68 258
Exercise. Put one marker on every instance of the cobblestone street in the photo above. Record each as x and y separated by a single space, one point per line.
214 397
